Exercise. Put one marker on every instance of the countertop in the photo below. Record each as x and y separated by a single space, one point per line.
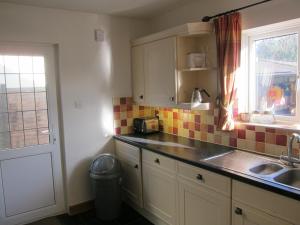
220 159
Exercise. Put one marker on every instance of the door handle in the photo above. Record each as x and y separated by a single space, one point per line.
157 161
199 177
136 166
238 211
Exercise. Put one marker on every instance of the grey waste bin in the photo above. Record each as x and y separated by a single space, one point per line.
106 176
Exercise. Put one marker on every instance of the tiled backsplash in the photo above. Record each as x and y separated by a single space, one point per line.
201 125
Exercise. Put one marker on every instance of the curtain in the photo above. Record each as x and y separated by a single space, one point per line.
228 36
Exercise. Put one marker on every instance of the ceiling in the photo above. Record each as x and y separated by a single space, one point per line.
131 8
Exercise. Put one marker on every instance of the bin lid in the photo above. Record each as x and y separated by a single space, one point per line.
105 166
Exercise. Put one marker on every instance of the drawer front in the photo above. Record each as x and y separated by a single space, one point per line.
159 161
126 151
205 178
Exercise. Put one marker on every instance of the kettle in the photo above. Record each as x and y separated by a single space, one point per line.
197 98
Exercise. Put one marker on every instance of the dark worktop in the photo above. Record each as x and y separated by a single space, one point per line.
220 159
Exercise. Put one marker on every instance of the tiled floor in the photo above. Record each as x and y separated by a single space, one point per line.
127 217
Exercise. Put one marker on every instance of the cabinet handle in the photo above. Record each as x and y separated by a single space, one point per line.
157 161
199 177
172 99
136 166
238 211
141 96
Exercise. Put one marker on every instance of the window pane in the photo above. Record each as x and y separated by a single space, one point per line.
2 84
29 118
12 83
4 122
38 64
28 102
43 135
16 121
31 137
11 64
17 139
42 118
1 64
276 66
27 82
4 140
39 82
40 100
14 102
25 64
3 103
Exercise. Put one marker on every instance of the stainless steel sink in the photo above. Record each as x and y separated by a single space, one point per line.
290 178
266 169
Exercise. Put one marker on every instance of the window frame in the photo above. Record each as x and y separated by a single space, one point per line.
248 39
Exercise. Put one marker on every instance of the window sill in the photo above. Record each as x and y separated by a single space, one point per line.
278 125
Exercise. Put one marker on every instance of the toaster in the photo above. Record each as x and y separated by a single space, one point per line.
146 125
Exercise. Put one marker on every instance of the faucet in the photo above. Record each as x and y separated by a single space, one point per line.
290 159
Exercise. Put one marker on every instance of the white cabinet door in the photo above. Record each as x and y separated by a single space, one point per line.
202 206
159 194
245 215
160 70
129 157
138 76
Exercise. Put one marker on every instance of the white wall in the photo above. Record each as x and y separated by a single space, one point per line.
270 12
89 72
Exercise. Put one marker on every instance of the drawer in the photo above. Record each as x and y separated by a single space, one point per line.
205 178
127 151
159 161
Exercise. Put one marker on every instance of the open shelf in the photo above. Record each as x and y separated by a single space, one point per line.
202 106
194 69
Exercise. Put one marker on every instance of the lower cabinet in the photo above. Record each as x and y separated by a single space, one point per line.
169 192
159 188
200 202
129 157
255 206
245 215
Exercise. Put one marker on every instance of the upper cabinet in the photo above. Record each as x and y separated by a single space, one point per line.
162 72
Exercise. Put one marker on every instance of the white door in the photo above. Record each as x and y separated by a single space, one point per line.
129 157
159 194
160 71
31 185
138 74
202 206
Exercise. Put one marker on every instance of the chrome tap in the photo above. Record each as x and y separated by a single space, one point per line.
290 159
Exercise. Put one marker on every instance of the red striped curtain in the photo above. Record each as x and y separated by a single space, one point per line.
228 36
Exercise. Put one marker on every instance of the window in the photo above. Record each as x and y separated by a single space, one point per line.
23 102
272 64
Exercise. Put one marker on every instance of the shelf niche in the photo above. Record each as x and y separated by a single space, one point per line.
190 78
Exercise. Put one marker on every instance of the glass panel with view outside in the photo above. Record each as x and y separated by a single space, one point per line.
23 102
276 67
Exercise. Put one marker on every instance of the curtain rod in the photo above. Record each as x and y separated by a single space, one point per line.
208 18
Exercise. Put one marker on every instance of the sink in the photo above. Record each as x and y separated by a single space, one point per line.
266 169
290 178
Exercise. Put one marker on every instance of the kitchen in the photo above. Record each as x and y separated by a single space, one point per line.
96 58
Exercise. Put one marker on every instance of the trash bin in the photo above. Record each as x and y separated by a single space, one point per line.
106 176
